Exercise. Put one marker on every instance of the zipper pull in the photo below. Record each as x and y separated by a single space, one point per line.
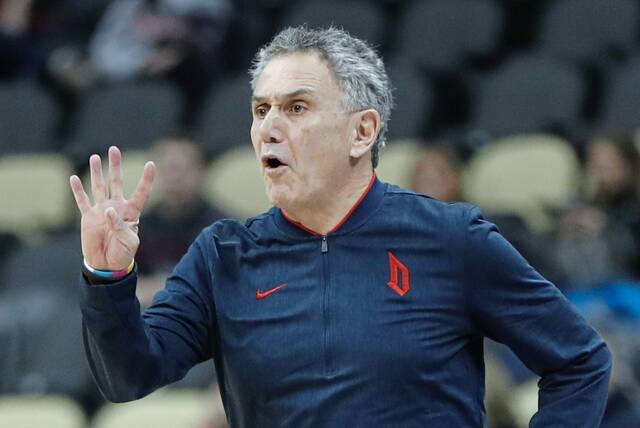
324 248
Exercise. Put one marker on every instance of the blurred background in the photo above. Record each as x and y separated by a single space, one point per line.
528 108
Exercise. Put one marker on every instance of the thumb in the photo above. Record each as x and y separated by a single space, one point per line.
114 221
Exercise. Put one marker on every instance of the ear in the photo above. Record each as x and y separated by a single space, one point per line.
366 127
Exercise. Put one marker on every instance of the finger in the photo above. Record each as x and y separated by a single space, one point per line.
82 200
143 189
133 225
114 220
115 172
97 181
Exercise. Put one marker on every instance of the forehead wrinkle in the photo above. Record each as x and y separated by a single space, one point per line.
292 94
281 74
283 84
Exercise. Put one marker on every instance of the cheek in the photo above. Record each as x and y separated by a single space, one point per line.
324 141
329 153
317 149
309 155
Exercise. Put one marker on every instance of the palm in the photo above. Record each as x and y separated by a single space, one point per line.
109 247
109 227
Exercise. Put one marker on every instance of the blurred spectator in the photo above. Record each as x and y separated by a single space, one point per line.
437 173
44 37
612 166
614 310
623 404
595 237
175 39
172 224
46 40
20 53
72 24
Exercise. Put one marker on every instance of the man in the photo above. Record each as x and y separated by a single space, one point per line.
351 302
438 173
180 213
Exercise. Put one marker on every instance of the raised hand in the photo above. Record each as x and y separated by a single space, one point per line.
109 227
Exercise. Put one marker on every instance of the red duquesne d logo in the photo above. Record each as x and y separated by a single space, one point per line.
396 265
263 294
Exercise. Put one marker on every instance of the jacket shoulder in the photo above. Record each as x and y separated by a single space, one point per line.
228 228
410 199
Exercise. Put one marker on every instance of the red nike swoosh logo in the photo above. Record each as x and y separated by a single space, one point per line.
263 294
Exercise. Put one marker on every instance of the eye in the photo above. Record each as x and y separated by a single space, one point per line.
261 111
297 108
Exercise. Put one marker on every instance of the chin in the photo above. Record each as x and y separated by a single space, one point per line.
279 196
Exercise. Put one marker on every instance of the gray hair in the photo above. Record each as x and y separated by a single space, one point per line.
359 70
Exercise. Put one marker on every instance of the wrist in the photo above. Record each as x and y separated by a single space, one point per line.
106 275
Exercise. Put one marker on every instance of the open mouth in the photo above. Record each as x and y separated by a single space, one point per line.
272 162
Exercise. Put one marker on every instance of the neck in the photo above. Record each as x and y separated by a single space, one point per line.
328 212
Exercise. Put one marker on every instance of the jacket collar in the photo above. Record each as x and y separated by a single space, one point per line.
359 212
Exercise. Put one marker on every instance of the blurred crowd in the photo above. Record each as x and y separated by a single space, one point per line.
538 95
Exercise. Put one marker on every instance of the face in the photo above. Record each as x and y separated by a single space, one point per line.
300 132
182 169
608 168
435 176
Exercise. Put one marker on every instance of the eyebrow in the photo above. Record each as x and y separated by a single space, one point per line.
296 93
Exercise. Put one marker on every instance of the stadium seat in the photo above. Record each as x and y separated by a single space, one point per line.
528 94
41 334
523 402
44 411
57 258
225 120
35 193
621 106
28 118
441 35
528 175
162 409
234 183
413 100
40 323
590 31
129 115
362 19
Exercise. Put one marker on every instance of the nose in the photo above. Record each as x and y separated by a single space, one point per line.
272 126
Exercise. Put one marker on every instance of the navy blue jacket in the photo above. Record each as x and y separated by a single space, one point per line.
379 323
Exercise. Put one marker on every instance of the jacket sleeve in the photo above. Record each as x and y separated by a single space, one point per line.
513 304
131 354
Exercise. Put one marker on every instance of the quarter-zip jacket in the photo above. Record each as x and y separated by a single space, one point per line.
379 323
